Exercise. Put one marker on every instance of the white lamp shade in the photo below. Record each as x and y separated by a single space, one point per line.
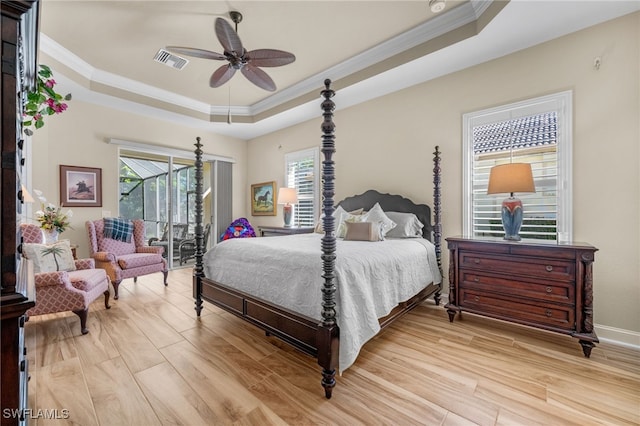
287 196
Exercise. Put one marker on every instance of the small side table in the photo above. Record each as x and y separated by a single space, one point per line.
266 231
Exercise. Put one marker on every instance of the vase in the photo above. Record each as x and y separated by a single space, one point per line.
50 236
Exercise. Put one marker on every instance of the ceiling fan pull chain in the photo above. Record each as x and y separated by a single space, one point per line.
229 121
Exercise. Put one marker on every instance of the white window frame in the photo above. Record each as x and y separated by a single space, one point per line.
561 103
297 156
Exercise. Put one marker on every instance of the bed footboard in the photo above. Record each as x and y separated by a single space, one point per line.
295 329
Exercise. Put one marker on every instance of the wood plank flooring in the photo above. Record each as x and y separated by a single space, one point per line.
150 361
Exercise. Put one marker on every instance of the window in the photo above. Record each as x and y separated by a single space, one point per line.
536 131
301 172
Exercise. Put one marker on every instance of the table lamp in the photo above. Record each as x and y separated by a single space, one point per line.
287 196
510 178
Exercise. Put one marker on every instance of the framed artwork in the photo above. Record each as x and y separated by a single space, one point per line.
263 199
80 186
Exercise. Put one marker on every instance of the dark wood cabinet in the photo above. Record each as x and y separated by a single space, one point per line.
19 66
548 286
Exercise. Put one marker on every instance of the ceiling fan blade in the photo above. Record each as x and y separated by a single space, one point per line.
258 77
269 57
221 76
198 53
228 37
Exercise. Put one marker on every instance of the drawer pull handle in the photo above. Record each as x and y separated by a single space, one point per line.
548 313
476 279
549 289
476 261
549 268
477 299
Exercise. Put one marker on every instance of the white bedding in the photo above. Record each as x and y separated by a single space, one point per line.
371 278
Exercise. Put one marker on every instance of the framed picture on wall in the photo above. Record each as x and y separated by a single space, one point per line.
80 186
263 199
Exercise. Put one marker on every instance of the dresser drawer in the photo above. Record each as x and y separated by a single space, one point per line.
550 291
520 266
511 309
537 284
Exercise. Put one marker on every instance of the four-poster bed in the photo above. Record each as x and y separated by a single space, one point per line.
316 329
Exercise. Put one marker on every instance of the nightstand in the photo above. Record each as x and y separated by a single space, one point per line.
266 231
542 285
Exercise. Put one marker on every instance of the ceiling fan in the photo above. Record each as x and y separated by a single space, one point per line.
239 59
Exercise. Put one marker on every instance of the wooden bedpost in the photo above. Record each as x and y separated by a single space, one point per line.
328 333
437 216
198 270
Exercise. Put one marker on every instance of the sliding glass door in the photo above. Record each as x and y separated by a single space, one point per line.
160 190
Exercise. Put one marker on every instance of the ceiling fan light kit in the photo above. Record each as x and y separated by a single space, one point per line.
248 62
436 6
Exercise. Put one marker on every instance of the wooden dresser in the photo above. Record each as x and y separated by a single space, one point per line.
19 64
268 231
548 286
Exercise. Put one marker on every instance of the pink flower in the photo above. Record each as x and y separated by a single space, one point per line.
58 108
50 83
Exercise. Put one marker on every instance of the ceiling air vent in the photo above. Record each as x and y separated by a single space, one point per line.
171 60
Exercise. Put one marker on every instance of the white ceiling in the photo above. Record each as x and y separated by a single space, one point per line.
102 51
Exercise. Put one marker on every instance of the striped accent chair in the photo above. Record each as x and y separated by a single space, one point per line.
122 259
62 291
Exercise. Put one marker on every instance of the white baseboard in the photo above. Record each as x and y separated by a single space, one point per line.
618 336
613 335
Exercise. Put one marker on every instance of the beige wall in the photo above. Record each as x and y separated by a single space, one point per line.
79 138
387 144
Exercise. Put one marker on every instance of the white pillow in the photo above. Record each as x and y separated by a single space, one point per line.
407 225
337 213
50 258
341 227
376 214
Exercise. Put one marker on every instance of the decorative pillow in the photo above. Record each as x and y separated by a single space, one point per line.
118 229
341 224
337 212
376 214
50 258
407 225
362 231
239 228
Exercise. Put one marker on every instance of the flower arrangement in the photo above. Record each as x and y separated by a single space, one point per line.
51 217
43 101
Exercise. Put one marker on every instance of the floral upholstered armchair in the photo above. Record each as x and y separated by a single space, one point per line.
118 246
62 283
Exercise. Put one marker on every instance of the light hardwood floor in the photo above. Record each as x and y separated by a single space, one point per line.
149 360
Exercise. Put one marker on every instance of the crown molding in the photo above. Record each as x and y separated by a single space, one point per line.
428 30
439 25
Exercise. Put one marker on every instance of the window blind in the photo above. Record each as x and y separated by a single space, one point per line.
532 140
301 173
535 132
